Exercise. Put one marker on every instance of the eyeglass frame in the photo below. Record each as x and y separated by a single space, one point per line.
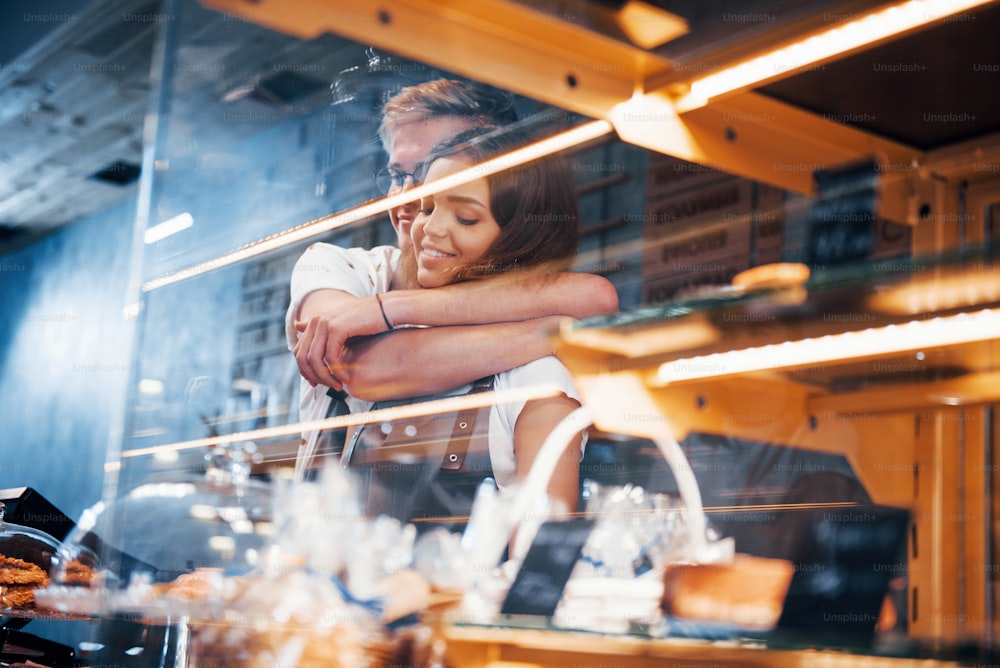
395 178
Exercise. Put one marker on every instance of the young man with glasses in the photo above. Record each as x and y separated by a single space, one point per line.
478 328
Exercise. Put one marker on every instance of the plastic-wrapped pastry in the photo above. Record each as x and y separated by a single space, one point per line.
292 619
748 592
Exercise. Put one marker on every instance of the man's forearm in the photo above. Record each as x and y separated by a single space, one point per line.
504 299
414 362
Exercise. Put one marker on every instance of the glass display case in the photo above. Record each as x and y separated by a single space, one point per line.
800 244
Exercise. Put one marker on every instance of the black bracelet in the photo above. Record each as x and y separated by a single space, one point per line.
381 308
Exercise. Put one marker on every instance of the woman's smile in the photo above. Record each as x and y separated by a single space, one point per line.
430 252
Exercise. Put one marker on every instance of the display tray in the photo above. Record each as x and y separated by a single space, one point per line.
137 603
472 645
39 613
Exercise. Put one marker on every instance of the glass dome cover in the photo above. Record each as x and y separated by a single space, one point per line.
165 548
25 559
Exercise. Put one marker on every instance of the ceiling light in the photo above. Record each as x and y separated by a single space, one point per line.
865 30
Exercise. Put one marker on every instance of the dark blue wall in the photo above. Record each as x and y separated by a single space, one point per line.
64 364
64 358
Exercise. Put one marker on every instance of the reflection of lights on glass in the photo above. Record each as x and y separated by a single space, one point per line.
940 292
434 407
132 311
222 544
692 333
166 456
238 93
649 26
163 489
915 335
840 39
200 511
547 146
652 117
151 387
920 356
168 228
237 519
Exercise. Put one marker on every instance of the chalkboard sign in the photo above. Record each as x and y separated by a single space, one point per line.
546 568
843 565
843 216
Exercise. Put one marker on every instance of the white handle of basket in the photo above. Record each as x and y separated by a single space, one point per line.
537 480
558 441
690 493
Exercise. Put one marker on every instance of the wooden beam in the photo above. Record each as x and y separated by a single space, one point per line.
502 43
968 390
558 62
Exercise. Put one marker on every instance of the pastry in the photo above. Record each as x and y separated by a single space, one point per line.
749 592
18 581
77 573
200 584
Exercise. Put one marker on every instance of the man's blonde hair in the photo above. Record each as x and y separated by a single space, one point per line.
481 104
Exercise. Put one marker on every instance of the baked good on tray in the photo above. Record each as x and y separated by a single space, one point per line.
18 581
77 573
747 592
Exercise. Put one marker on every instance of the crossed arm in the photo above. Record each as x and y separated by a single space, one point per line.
475 329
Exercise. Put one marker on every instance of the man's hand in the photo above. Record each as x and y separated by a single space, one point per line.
322 346
310 354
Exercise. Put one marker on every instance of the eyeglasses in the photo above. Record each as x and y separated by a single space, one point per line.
388 179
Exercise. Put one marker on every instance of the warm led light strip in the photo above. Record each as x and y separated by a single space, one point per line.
912 336
540 149
840 39
449 404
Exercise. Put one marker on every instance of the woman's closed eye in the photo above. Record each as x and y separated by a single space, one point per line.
427 208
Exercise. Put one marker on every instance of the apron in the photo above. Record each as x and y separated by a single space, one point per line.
425 469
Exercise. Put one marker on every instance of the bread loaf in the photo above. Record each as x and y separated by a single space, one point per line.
749 592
